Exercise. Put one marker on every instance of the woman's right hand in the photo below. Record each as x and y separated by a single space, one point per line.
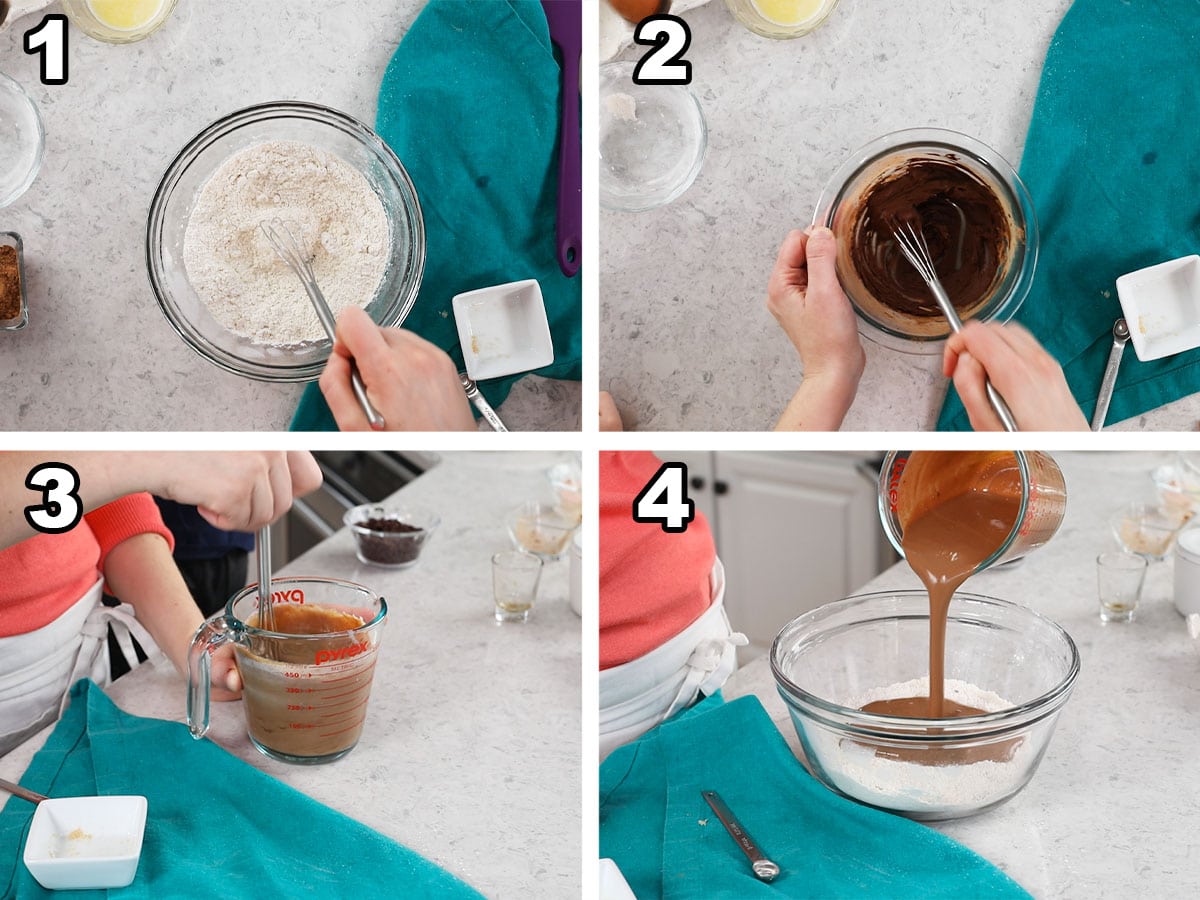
1028 378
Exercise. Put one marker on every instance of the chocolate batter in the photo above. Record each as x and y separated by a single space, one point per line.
956 510
970 234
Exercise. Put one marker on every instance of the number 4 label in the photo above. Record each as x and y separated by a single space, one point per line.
664 500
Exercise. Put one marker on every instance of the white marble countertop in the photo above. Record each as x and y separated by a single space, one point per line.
470 753
98 354
686 342
1114 808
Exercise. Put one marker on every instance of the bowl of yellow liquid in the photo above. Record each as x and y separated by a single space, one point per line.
119 21
781 19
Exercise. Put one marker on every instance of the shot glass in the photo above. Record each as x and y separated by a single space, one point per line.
515 578
1119 577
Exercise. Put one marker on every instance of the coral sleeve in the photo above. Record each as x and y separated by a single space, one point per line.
122 519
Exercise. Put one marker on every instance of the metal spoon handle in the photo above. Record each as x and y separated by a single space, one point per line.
481 404
1120 337
764 869
24 793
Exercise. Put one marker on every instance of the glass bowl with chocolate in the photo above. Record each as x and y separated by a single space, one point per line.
390 536
854 675
972 209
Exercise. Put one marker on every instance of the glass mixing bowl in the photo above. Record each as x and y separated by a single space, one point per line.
21 151
848 185
175 198
1012 662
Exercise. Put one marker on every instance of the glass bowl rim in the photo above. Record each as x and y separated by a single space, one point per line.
989 724
299 110
251 589
39 156
973 148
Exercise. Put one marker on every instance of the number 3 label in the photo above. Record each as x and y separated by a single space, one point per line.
664 500
664 64
61 508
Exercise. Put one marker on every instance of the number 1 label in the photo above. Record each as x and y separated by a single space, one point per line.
49 39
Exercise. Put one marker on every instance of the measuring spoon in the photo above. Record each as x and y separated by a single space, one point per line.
24 793
1120 338
764 869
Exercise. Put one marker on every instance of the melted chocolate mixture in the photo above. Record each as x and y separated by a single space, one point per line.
963 221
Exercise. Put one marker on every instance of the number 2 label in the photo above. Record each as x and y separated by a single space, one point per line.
60 509
664 500
665 64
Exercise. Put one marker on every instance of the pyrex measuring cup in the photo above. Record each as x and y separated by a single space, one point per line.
305 694
1043 500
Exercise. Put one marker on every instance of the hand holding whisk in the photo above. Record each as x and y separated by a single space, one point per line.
916 251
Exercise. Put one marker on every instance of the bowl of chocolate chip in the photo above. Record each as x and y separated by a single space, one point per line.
390 536
973 211
855 676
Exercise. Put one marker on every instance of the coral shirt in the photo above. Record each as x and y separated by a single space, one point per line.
653 584
41 577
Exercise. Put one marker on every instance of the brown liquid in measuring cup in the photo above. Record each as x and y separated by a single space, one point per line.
307 698
956 509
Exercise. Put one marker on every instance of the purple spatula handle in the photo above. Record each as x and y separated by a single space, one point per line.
565 18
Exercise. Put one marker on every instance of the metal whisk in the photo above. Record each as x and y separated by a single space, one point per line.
283 239
916 251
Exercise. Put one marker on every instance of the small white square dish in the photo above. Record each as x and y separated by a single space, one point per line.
85 843
503 330
1162 307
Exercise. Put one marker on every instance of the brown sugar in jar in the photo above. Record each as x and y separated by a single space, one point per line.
10 283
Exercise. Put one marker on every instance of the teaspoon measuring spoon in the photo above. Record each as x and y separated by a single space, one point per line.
24 793
1120 337
764 869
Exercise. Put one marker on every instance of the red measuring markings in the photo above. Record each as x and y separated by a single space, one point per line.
894 481
340 653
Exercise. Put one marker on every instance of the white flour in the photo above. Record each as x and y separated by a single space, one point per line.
334 215
911 787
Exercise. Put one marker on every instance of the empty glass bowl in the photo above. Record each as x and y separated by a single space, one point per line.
1000 657
652 140
329 130
21 149
840 208
540 529
1149 529
390 536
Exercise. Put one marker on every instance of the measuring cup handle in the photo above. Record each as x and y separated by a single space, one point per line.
208 637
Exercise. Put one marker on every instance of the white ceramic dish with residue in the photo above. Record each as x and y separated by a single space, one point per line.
503 330
1162 307
85 843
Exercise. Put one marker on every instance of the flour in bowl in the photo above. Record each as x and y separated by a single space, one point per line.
911 787
332 211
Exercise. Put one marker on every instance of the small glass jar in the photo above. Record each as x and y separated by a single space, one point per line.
21 319
84 14
782 19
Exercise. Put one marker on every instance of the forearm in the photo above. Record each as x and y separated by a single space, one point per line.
103 477
819 404
140 571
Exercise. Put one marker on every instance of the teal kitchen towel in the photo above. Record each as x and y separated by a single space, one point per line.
1111 163
215 826
470 104
669 844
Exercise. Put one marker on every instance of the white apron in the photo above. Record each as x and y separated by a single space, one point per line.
37 669
637 695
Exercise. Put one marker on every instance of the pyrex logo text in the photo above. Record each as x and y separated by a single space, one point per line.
295 595
340 653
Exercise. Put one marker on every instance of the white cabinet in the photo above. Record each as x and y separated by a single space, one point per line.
794 530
